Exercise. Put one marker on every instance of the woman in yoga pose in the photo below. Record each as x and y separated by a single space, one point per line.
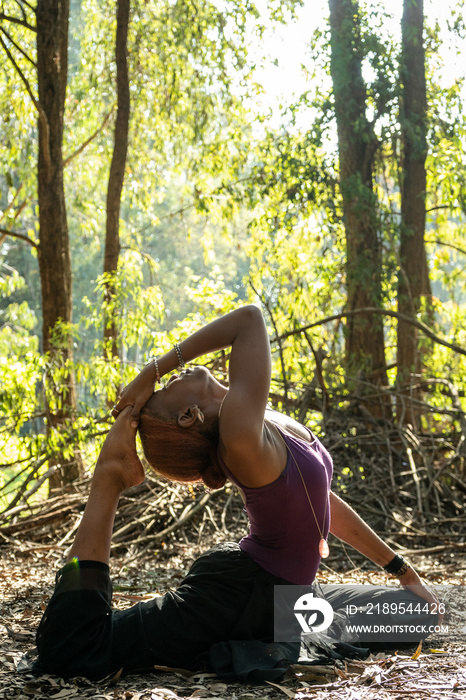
196 429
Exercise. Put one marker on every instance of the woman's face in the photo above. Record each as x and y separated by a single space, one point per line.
191 387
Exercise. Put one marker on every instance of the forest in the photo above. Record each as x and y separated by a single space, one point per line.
150 182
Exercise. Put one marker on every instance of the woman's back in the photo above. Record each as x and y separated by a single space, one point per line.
285 528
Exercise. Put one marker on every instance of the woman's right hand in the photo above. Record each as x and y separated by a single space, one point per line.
411 581
136 394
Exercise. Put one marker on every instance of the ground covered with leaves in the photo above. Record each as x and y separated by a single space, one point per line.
26 580
410 491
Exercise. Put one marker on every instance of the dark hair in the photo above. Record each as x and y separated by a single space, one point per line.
181 454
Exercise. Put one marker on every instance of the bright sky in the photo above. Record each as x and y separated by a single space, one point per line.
289 44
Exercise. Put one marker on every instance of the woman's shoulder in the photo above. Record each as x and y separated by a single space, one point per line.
255 466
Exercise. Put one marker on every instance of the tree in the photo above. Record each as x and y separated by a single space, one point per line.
413 278
51 31
357 145
115 180
52 18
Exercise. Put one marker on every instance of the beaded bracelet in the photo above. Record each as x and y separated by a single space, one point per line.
181 362
157 371
397 566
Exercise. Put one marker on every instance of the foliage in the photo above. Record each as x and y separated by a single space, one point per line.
218 207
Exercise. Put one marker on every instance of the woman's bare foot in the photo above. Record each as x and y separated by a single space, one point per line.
118 458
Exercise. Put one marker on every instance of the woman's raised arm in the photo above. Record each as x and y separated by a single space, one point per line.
244 331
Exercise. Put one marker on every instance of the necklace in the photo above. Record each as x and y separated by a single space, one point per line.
323 544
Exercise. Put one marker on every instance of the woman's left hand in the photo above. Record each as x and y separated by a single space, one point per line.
137 393
413 582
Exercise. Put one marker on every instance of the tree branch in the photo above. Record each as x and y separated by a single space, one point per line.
37 105
11 204
15 20
22 10
448 245
265 301
182 520
440 206
18 47
24 2
373 310
16 234
84 145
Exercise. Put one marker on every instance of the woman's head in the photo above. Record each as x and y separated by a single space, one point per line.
178 442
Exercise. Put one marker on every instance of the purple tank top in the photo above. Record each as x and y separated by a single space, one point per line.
283 535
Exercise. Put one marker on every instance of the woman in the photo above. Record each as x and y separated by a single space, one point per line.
195 429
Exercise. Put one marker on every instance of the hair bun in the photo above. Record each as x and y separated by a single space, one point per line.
213 476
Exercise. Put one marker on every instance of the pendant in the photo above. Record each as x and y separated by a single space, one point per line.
323 548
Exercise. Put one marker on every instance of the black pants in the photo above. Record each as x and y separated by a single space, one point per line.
220 617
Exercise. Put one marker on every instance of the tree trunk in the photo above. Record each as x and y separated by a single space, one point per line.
413 279
357 144
53 251
115 181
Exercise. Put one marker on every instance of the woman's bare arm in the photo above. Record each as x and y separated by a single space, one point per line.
252 458
243 330
346 524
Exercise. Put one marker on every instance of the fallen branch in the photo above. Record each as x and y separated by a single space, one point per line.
383 312
179 523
